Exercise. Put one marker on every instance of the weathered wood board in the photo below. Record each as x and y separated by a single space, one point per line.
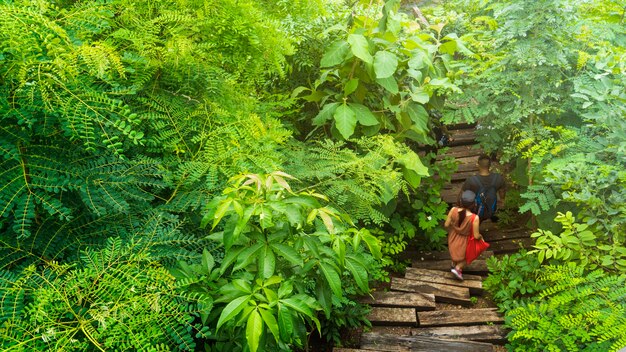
443 293
492 235
380 342
462 137
461 151
459 317
393 316
472 282
419 301
436 255
481 333
509 246
477 266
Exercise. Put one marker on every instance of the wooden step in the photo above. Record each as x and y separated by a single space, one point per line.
492 235
459 317
451 195
354 350
477 266
436 255
419 301
459 176
481 333
393 316
443 293
472 282
461 151
467 164
510 246
461 126
385 342
462 137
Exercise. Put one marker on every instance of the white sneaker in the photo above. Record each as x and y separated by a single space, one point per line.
457 273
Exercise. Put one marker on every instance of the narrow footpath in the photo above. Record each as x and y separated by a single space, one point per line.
430 310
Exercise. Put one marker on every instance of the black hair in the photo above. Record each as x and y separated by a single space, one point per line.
465 205
484 161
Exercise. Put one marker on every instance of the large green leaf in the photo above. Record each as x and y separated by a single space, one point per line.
332 277
373 243
418 95
385 64
389 83
345 120
358 272
350 86
324 297
232 309
271 323
207 260
364 115
412 162
419 60
288 253
326 114
248 255
335 54
254 329
360 47
267 264
285 323
221 211
418 115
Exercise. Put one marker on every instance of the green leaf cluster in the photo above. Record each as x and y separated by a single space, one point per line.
287 256
383 75
577 311
513 279
579 243
115 298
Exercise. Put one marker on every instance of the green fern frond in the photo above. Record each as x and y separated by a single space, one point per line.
540 198
113 299
577 310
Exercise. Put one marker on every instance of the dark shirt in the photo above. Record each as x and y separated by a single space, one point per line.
493 178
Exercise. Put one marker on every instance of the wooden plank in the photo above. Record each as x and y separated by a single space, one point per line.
472 282
459 317
467 164
354 350
419 301
393 316
435 255
462 176
441 274
481 333
492 235
377 342
477 266
451 195
461 126
510 246
442 292
462 137
461 151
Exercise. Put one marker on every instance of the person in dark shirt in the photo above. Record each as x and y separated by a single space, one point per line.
491 185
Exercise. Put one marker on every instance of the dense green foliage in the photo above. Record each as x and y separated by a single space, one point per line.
122 124
228 175
546 86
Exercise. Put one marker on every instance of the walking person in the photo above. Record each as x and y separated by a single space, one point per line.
489 188
461 222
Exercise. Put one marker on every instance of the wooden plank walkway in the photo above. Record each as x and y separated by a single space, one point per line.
408 317
429 309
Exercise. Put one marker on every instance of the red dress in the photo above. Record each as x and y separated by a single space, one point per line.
457 235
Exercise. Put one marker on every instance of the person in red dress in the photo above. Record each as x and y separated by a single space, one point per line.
461 221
